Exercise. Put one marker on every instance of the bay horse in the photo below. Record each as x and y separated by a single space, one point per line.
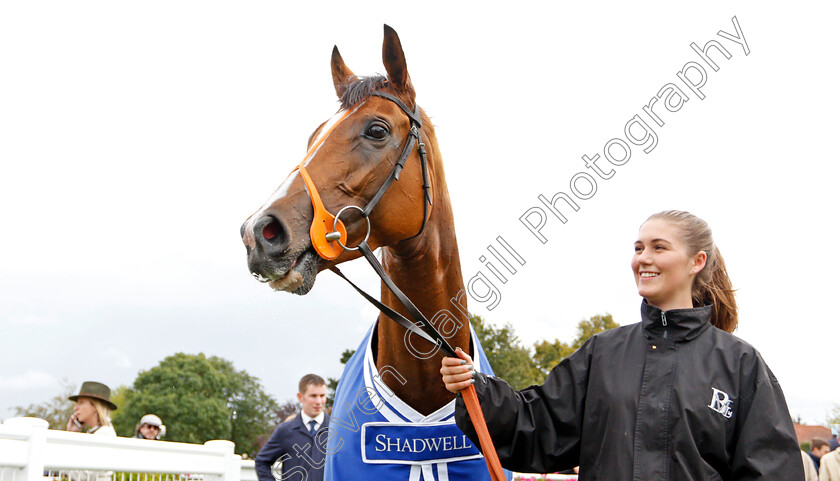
349 158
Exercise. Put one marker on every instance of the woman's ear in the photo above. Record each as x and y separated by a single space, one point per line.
699 262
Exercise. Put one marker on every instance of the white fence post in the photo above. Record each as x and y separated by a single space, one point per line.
232 462
37 433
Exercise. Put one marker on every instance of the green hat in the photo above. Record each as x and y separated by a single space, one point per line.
96 390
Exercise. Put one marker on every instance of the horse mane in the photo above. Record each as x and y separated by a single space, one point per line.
361 88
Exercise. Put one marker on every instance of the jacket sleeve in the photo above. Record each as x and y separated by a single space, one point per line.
766 446
538 429
269 454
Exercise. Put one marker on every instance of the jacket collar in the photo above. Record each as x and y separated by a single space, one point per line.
298 424
675 324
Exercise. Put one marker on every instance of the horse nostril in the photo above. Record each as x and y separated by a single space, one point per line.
272 234
271 230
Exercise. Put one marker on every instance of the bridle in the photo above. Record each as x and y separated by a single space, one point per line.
329 244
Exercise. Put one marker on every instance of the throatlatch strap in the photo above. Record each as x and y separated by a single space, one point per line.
433 335
392 314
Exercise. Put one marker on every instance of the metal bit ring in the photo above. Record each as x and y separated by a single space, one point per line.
335 226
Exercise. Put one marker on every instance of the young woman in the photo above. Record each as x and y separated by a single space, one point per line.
674 397
92 410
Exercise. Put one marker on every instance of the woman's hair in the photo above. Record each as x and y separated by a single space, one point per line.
711 285
103 411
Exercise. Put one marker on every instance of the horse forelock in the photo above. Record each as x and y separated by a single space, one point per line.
361 88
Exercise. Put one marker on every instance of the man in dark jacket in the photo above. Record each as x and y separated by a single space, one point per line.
299 444
670 398
819 448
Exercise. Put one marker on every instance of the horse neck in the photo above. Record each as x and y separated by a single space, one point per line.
428 270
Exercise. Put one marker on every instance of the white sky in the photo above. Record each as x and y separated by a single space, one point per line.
135 138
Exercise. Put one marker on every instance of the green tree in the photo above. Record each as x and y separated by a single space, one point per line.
251 408
595 324
118 396
549 354
510 360
200 399
56 411
834 417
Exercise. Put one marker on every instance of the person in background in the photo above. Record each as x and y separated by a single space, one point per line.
819 448
150 427
92 410
297 443
832 443
811 473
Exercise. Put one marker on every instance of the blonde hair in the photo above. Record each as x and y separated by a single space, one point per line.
712 284
103 411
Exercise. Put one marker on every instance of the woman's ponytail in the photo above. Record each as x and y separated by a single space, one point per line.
711 284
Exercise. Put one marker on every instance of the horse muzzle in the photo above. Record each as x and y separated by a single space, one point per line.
273 260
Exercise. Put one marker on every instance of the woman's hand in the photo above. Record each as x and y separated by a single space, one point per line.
72 423
457 373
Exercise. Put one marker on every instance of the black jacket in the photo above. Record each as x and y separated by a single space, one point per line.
670 398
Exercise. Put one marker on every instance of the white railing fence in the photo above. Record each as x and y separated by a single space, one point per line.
30 452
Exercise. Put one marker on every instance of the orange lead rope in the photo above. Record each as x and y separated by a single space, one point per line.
480 425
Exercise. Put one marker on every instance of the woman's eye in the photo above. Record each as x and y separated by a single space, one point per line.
377 132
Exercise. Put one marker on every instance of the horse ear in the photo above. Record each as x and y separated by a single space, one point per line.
394 60
341 75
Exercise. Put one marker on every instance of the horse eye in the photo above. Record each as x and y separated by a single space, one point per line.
376 132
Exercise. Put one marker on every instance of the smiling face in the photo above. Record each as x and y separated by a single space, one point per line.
663 269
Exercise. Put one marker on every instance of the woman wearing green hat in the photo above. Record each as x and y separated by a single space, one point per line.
92 410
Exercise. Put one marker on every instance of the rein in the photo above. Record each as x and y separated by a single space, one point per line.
330 244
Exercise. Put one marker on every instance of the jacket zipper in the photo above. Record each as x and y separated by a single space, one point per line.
664 324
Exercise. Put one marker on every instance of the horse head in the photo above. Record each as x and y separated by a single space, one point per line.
348 160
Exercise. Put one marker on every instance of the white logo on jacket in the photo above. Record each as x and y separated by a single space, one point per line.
721 403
